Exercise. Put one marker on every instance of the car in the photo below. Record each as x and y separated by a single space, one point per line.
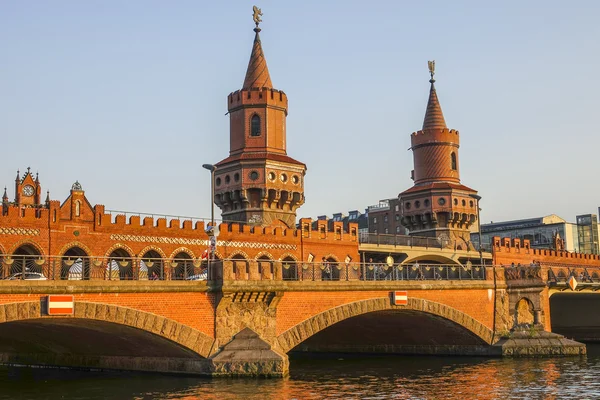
29 276
202 276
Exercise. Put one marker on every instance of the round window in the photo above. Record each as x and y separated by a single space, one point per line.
417 204
227 179
407 205
464 203
236 177
441 201
295 179
426 202
283 177
272 176
218 181
254 175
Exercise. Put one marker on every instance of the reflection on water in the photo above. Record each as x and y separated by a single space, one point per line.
339 377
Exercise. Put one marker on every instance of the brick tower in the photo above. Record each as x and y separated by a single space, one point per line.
258 183
438 205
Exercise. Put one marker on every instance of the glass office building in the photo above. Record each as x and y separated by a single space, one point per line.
539 231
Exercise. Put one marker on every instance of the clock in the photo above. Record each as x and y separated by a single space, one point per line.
28 190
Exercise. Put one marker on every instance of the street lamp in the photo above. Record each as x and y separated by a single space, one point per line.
478 198
211 231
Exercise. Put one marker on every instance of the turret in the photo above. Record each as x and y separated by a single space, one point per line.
258 183
438 205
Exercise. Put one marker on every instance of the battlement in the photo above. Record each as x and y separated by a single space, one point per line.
434 135
507 251
257 96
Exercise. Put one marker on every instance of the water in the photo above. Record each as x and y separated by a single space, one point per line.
339 377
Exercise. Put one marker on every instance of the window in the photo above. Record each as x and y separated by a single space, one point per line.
397 217
397 208
385 219
374 220
386 230
255 126
397 229
453 157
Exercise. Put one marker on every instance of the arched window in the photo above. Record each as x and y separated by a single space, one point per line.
77 208
453 157
255 126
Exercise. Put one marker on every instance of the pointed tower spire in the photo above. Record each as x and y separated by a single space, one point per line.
18 176
434 118
47 198
5 196
257 75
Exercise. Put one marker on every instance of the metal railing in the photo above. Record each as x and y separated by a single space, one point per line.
331 271
32 267
74 268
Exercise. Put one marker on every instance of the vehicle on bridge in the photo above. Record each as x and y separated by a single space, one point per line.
28 276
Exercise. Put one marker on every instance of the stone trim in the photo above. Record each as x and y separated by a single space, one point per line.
299 333
183 335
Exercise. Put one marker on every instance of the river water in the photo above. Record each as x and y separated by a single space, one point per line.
340 377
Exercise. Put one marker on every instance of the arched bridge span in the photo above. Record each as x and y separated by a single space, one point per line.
382 307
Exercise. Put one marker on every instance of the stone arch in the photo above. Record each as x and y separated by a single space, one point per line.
307 328
70 245
288 255
151 268
290 266
239 253
263 254
151 247
182 250
118 246
26 242
75 261
174 331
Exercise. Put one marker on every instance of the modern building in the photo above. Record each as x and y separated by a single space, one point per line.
587 233
539 231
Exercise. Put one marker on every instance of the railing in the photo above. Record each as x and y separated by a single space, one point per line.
331 271
27 267
73 268
402 240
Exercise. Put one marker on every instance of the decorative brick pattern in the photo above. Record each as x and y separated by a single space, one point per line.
19 231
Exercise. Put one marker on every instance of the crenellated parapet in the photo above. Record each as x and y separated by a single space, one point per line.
509 251
257 96
426 136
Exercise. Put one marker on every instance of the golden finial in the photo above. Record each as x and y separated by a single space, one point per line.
256 14
431 65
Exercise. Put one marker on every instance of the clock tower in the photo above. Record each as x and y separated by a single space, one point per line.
27 189
258 183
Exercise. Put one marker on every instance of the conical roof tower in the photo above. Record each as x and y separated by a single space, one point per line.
438 205
258 183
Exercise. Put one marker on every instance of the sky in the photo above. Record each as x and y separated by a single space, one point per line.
129 98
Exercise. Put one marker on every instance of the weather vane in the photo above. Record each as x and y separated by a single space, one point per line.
431 65
256 13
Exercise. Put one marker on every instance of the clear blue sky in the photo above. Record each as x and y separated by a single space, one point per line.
129 97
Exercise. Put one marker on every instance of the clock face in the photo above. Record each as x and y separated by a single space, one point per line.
28 190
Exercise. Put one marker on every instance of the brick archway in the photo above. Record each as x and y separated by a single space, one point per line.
183 335
299 333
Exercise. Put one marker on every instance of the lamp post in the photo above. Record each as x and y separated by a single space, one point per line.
478 198
211 231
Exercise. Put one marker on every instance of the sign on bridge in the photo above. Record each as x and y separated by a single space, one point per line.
400 298
60 305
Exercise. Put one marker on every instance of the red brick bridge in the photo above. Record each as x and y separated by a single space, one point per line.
250 314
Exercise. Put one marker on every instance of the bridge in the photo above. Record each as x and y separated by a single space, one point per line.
244 316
